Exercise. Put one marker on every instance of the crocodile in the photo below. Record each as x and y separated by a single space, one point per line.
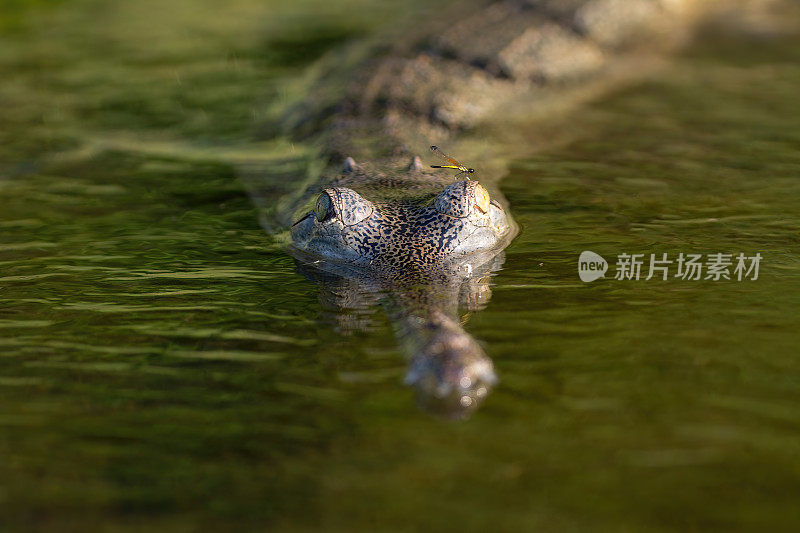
392 232
419 243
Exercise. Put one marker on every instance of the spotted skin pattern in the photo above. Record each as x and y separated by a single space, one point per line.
415 225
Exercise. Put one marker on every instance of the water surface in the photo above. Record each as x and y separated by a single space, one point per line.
163 363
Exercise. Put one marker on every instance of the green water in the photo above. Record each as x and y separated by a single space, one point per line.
163 365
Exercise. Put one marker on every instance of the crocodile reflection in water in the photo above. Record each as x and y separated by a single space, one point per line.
422 246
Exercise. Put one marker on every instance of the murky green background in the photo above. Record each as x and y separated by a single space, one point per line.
162 364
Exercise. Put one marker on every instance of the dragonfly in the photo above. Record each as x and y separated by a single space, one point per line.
452 163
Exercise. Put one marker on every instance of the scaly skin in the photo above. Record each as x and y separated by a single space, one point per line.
476 58
435 224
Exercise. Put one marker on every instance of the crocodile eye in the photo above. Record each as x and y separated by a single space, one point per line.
462 199
343 204
482 199
323 210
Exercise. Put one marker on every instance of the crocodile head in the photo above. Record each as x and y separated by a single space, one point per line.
423 247
416 224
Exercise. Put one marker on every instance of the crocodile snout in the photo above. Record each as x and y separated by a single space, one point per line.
450 371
